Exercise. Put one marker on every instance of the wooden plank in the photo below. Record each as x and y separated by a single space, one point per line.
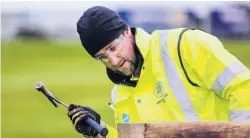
185 130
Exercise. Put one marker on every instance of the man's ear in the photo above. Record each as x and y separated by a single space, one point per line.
127 32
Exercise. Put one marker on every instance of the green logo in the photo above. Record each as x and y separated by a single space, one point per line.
159 89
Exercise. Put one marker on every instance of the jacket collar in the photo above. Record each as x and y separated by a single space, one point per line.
142 41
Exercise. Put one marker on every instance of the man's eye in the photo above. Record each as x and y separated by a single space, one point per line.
103 58
112 48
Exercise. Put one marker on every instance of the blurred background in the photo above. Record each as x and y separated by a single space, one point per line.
39 42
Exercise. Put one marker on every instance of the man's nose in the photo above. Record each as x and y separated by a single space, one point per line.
113 59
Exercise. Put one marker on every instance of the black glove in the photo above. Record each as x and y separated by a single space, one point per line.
78 115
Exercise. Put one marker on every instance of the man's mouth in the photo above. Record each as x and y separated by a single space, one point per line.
122 63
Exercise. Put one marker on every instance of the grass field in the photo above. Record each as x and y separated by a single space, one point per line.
70 74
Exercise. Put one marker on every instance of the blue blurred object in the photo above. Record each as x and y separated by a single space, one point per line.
193 20
218 27
125 15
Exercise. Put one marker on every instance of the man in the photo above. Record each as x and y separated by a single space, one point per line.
170 75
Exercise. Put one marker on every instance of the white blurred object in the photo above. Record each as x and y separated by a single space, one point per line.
59 19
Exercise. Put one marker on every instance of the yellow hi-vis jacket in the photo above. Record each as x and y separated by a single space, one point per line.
186 76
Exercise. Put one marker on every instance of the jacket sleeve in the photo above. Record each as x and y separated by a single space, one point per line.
212 67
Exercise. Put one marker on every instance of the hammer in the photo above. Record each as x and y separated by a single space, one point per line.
54 100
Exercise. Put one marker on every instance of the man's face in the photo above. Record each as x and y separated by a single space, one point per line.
119 54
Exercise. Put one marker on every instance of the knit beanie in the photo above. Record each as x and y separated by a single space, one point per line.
99 26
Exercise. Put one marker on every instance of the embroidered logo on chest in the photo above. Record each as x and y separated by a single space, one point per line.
159 89
159 92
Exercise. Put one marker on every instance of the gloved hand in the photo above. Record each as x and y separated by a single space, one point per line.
78 114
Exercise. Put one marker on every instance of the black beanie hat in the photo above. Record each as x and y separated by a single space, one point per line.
97 27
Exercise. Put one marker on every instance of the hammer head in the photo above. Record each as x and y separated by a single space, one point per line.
40 87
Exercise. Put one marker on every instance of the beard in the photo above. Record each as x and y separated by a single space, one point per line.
127 70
